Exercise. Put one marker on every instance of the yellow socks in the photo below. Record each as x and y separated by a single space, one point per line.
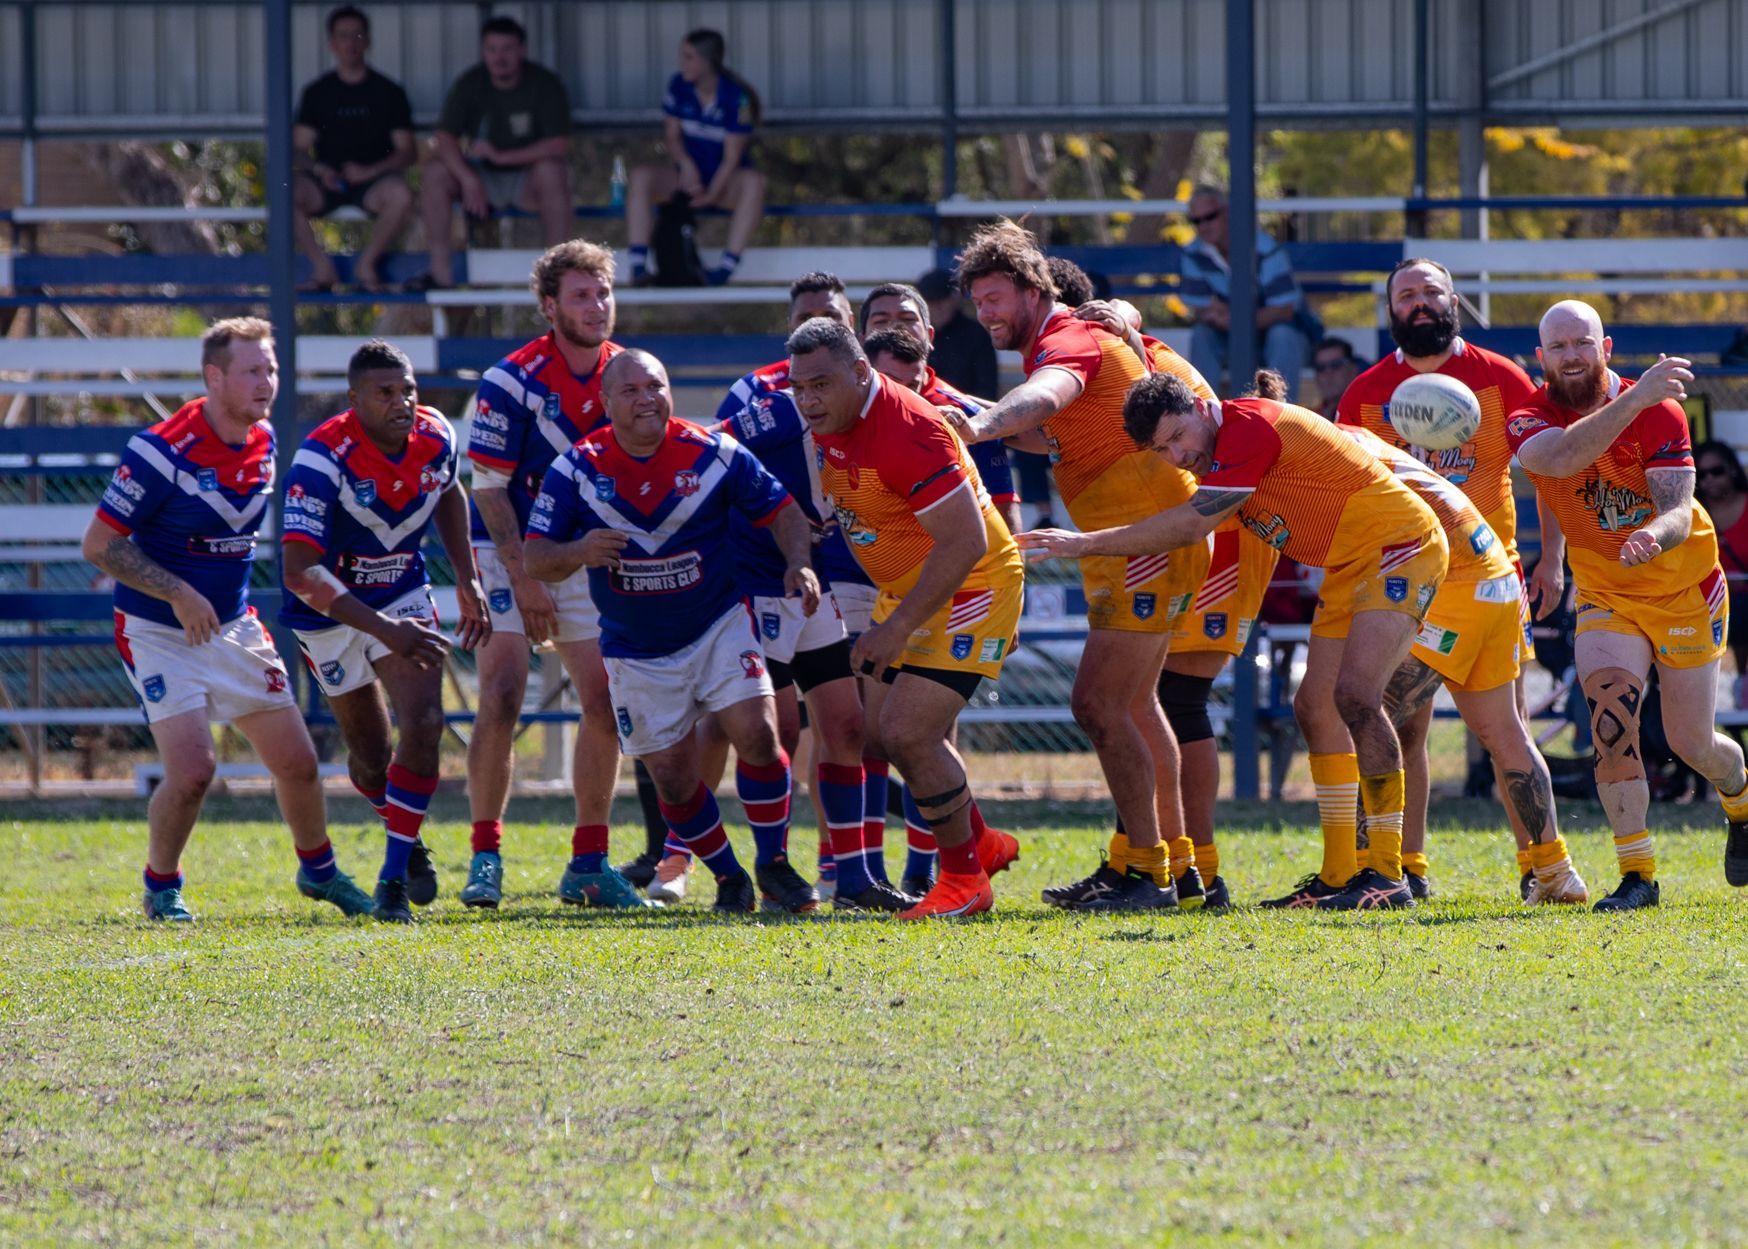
1118 852
1635 855
1151 860
1208 861
1415 863
1381 795
1362 857
1735 805
1546 856
1182 854
1337 778
1526 861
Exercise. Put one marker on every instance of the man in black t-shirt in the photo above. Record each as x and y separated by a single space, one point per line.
503 141
354 136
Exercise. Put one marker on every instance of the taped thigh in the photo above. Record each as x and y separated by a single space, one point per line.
1616 697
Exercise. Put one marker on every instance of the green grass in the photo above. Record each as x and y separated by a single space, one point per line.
1469 1073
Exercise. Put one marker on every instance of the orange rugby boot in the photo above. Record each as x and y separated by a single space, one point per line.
954 894
996 850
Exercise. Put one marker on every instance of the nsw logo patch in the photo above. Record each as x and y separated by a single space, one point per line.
1214 625
154 689
1145 604
333 672
623 715
1396 589
771 624
206 479
500 601
962 644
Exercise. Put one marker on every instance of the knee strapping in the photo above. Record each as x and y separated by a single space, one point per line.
1185 700
953 800
1616 697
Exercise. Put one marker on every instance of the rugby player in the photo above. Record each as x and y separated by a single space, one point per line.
644 506
532 406
1424 320
176 529
1614 462
1315 495
908 500
809 652
1077 374
362 491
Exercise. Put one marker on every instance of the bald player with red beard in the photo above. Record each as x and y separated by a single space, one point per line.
1614 462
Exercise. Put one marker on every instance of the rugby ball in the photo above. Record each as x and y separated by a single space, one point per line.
1434 411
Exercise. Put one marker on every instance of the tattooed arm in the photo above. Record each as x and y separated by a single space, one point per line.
1672 496
120 556
1025 407
1180 526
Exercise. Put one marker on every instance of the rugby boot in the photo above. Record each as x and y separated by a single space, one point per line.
1631 894
605 888
736 894
997 851
782 888
1192 895
1310 891
879 896
391 901
954 894
1416 885
1736 854
1369 890
421 876
167 905
641 870
1137 892
1103 881
338 889
485 880
1218 898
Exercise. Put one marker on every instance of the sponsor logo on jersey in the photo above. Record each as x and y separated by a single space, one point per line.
1423 599
686 483
429 481
1145 604
221 548
962 644
771 624
364 491
124 482
500 601
1482 540
1683 631
369 570
333 672
1617 509
1433 638
485 418
206 479
154 689
992 650
1518 426
1396 589
1214 625
665 575
752 665
1273 531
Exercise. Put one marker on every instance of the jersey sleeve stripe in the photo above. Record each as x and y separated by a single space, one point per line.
964 484
500 377
114 522
316 463
149 452
491 461
772 515
304 538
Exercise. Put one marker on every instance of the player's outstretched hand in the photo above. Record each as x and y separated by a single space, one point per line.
200 623
417 642
601 548
1043 544
539 613
1640 547
476 622
1112 314
876 649
801 581
1546 588
1667 379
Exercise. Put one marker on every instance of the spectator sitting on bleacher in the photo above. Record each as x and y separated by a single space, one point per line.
354 136
1207 288
708 117
503 141
1335 366
1722 486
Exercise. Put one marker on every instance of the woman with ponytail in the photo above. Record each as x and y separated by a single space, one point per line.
709 115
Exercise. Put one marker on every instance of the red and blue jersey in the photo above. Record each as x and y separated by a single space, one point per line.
530 410
676 575
760 412
192 502
364 510
705 130
991 457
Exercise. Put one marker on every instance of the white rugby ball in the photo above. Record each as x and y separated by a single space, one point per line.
1434 411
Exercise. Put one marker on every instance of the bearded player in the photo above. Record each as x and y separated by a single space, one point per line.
1614 461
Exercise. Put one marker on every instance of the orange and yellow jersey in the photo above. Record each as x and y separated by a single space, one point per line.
1105 480
898 461
1316 495
1481 467
1611 497
1162 359
1477 554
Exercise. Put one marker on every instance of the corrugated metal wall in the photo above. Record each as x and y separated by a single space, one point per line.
1047 61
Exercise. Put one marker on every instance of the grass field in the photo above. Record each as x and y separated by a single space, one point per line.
1468 1073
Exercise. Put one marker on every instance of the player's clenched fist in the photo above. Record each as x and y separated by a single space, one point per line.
1640 547
601 548
801 582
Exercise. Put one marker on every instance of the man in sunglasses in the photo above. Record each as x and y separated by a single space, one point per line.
1207 289
1335 366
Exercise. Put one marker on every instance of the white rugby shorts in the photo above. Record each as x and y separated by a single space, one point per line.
656 702
578 621
235 674
343 658
785 631
856 604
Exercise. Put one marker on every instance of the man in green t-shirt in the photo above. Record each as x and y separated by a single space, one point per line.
503 140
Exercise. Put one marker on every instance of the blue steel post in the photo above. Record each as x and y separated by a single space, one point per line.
949 88
281 260
1241 340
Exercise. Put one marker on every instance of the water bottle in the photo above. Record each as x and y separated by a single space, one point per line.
618 182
